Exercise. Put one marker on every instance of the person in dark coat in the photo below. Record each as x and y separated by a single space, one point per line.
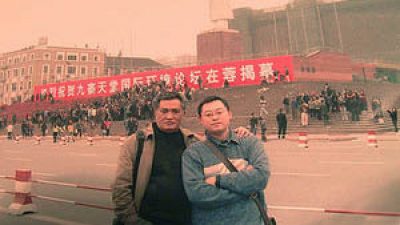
282 123
393 116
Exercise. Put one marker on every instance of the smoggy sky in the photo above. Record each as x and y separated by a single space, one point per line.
153 28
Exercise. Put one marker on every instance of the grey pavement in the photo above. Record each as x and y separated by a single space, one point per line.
335 172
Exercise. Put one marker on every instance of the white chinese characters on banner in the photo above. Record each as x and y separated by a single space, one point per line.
180 78
61 91
102 87
266 70
229 74
91 88
113 86
80 91
70 90
237 73
125 84
247 72
166 78
194 76
212 76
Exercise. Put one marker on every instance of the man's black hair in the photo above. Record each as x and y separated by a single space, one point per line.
211 99
167 96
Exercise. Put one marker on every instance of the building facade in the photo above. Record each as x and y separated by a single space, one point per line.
116 65
21 70
364 29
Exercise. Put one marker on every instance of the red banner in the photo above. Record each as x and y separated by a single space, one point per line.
237 73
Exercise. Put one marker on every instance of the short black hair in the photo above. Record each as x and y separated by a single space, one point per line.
211 99
167 96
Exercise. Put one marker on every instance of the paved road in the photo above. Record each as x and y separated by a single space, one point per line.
328 175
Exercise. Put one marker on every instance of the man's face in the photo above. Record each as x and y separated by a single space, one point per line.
215 117
169 115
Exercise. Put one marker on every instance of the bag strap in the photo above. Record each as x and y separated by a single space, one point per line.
232 168
139 151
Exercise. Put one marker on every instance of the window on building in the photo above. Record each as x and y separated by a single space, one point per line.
16 72
30 70
22 71
30 85
23 58
59 70
46 56
84 57
60 56
71 57
83 71
21 86
96 58
45 69
32 56
313 70
95 71
13 87
71 70
8 74
16 60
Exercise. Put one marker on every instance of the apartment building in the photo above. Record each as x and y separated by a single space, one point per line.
21 70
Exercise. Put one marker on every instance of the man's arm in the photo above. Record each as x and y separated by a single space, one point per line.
198 191
122 187
252 179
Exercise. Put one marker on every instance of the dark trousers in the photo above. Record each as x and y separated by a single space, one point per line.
281 131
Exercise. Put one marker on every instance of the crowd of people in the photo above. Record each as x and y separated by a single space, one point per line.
320 105
129 106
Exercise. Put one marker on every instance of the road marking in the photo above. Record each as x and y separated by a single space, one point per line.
107 164
352 162
13 151
51 220
300 174
83 154
44 174
19 159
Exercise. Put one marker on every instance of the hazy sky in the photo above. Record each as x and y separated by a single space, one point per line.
153 28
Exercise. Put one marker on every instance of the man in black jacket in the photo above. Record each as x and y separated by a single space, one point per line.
282 123
393 116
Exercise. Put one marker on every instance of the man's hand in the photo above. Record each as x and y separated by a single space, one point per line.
242 132
211 180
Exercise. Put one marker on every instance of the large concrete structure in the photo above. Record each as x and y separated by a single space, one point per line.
364 29
219 43
115 65
21 70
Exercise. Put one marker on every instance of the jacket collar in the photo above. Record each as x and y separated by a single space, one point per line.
149 132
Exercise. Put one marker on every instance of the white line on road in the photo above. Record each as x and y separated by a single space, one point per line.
44 174
48 219
107 164
19 159
13 151
352 162
83 154
300 174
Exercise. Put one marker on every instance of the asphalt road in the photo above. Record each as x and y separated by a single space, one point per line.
345 175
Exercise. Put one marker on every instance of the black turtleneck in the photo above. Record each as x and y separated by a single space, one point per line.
165 201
